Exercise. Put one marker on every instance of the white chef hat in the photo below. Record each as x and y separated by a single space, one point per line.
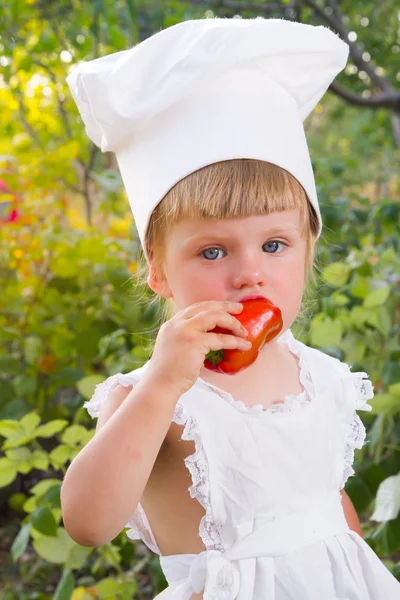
205 91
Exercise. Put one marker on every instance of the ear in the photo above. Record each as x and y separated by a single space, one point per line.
158 282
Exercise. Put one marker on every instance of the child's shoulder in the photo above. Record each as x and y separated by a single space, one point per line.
103 389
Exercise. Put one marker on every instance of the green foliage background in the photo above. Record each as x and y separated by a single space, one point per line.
71 314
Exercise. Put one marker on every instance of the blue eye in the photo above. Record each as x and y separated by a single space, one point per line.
273 248
273 244
207 250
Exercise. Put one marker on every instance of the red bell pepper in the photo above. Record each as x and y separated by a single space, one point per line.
263 321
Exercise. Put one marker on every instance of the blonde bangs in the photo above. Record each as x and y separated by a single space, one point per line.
227 189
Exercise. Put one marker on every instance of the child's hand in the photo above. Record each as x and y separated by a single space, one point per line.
183 342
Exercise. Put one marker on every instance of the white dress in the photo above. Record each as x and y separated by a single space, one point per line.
270 480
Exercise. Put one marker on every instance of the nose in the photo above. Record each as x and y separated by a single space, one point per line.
248 272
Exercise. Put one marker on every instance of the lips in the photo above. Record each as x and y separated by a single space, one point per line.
251 297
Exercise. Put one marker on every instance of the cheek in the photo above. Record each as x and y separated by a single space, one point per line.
290 284
202 284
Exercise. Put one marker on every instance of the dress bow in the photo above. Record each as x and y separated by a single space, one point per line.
217 575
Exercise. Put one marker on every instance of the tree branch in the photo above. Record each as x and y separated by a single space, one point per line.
389 100
335 20
60 102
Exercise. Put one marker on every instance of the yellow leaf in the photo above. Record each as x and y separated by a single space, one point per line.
132 266
79 593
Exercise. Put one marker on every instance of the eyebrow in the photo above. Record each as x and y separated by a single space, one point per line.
219 237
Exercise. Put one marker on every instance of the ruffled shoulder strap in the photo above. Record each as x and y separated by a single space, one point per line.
357 383
198 467
351 392
353 389
103 389
359 390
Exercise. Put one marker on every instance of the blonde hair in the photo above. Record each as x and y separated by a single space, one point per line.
231 188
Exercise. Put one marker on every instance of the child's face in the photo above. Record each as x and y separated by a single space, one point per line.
229 259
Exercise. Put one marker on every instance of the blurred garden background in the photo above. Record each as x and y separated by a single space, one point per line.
72 312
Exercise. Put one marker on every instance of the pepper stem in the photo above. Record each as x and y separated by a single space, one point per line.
215 356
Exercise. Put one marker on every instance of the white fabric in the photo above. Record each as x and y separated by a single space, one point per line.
269 480
205 91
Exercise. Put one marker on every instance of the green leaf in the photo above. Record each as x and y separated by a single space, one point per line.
49 429
326 333
21 459
8 472
358 316
53 496
29 422
372 475
75 434
59 456
43 520
65 586
20 543
384 403
30 505
340 299
63 267
394 389
377 297
17 455
33 349
359 286
359 493
16 501
381 320
390 372
107 588
24 385
86 386
24 467
9 428
9 366
388 257
336 274
54 549
78 556
16 442
393 536
111 555
41 488
354 348
40 460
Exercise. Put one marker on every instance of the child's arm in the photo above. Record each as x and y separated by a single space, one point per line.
351 514
105 482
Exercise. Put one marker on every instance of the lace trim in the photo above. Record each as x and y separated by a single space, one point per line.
197 465
357 432
102 390
139 529
292 401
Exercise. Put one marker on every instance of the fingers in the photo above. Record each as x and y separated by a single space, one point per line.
219 341
208 319
224 305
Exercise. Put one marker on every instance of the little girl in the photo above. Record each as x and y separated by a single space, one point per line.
236 481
